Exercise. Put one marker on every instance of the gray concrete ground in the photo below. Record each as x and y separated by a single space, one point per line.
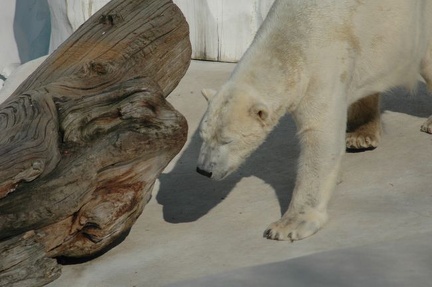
194 227
399 263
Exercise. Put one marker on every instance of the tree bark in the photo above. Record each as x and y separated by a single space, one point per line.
86 135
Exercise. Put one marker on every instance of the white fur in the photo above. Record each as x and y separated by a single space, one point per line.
314 59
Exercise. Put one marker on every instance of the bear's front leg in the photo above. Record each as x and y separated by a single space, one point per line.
322 139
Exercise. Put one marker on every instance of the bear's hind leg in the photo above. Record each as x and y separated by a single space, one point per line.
364 124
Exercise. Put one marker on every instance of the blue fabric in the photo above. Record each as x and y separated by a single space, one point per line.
32 28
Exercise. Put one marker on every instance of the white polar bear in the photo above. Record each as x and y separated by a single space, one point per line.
315 59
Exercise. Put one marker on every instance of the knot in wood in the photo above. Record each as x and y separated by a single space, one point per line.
110 19
97 68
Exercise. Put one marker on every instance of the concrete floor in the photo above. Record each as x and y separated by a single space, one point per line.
194 227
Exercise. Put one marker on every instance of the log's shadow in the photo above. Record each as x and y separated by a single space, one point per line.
186 196
65 260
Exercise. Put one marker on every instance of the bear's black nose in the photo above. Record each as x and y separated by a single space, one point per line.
203 172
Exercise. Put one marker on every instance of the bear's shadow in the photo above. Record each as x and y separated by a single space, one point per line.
186 196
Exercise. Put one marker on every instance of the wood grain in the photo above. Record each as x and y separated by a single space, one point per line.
86 135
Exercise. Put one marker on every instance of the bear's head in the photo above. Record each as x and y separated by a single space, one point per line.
236 122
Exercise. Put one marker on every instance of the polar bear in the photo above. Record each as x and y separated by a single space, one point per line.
316 60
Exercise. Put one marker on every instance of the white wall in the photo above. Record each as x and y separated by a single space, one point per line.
220 30
8 46
68 15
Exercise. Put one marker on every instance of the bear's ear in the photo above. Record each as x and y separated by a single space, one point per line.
208 93
261 112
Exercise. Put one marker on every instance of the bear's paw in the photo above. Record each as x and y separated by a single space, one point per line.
295 227
427 126
362 140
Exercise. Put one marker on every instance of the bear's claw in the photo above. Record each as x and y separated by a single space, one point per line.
360 141
293 228
269 235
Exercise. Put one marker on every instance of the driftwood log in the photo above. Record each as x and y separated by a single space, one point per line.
84 138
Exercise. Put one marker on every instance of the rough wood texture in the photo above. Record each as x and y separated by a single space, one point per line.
86 135
22 258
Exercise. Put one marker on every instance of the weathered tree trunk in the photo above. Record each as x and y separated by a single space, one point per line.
84 138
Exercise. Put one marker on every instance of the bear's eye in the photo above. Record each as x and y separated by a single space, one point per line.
225 140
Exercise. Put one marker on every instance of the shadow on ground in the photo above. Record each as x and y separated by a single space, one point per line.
186 196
